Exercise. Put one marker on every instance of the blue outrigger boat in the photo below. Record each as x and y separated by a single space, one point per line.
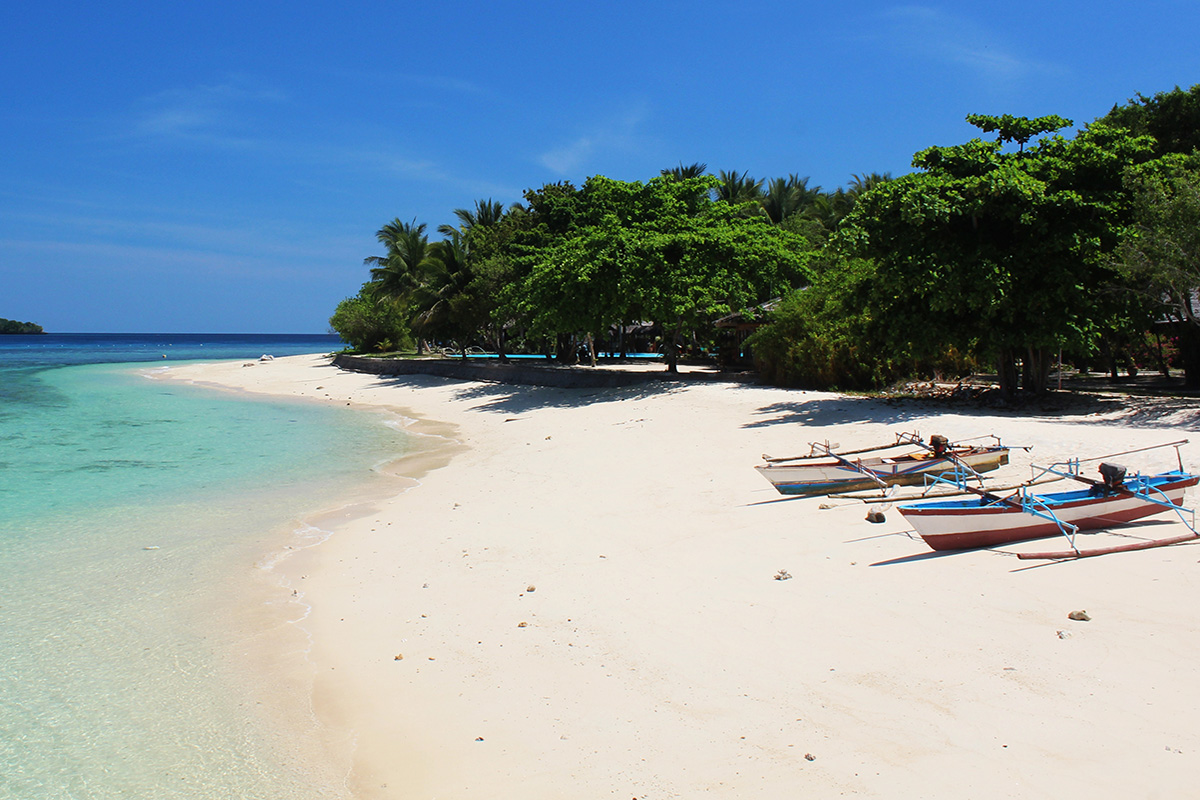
987 520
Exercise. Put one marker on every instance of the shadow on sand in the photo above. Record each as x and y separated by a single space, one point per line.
823 409
507 398
1110 409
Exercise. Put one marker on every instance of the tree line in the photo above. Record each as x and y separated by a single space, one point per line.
1000 253
12 326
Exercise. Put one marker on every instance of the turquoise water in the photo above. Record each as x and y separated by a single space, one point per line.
136 517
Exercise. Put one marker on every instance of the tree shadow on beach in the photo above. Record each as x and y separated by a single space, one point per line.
1073 408
1152 412
512 398
826 410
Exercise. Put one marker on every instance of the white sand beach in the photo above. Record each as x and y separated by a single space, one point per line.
579 600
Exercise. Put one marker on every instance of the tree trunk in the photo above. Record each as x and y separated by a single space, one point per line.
1006 372
1189 353
564 349
672 343
1160 358
1036 370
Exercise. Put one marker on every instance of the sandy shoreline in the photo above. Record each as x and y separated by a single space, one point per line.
585 605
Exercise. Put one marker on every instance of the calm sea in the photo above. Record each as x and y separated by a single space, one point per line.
137 523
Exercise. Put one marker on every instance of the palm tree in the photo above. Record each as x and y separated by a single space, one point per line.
738 189
397 273
787 196
681 172
861 184
487 212
440 300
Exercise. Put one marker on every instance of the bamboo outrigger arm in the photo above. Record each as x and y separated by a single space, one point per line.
824 449
1141 491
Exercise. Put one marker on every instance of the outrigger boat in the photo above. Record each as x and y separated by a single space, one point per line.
989 520
825 471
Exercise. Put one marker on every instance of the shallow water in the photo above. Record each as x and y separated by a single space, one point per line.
136 517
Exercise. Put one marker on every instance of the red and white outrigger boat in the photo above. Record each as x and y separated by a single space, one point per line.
988 520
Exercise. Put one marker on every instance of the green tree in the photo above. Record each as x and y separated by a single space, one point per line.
663 251
1160 251
397 273
12 326
785 197
998 253
1172 118
371 322
683 173
485 214
738 189
821 336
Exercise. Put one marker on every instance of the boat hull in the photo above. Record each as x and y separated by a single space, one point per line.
972 523
826 477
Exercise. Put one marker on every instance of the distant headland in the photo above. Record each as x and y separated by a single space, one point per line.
12 326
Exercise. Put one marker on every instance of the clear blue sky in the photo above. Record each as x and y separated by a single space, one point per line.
223 166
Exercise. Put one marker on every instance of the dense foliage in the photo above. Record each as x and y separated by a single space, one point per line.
1160 252
999 253
579 265
12 326
371 323
1002 252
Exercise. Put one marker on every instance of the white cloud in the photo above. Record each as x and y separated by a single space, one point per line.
959 42
618 133
568 160
213 113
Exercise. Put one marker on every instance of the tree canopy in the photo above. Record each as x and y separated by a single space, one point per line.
993 252
12 326
1019 244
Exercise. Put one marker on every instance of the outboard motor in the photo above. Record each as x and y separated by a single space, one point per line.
1113 474
940 444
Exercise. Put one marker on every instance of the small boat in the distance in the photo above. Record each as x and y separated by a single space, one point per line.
825 471
988 520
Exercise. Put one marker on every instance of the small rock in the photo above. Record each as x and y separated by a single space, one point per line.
531 588
1079 616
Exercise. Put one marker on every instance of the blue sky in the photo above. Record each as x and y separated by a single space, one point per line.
223 167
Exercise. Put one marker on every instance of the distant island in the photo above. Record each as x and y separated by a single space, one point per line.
12 326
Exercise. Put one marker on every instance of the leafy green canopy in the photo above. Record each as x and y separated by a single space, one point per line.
662 251
1172 118
371 322
997 253
1160 252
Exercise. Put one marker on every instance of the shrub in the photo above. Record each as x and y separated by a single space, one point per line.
371 324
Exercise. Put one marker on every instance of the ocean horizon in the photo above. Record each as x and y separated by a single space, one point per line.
139 523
